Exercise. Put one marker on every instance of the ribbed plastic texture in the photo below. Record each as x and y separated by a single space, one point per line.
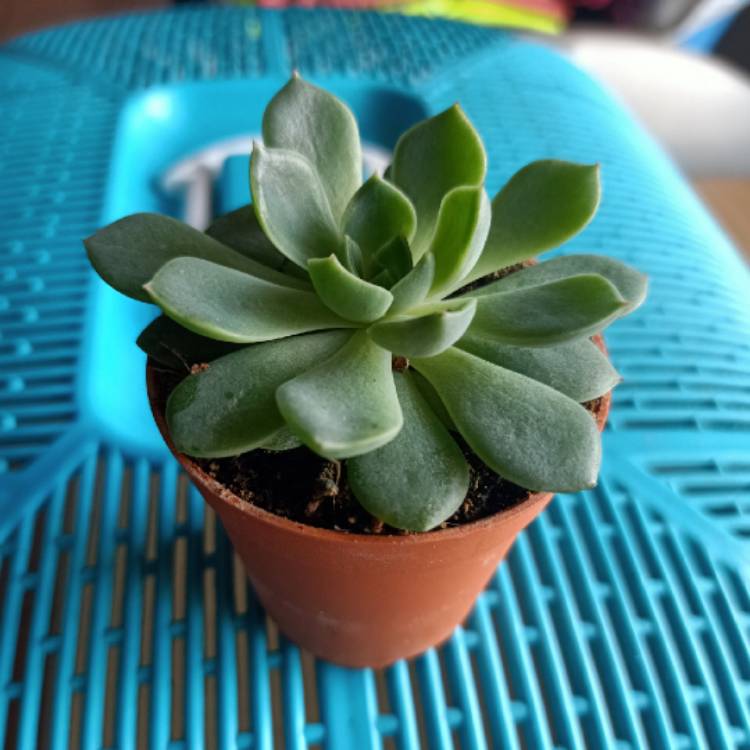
622 617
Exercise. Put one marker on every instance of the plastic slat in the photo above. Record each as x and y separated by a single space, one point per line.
129 678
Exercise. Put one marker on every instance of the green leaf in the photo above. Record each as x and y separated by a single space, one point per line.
231 407
414 287
542 205
174 346
550 313
460 233
291 205
283 440
384 277
430 395
377 213
576 368
631 284
352 257
418 479
431 159
346 405
310 121
228 305
127 253
425 332
395 256
346 294
240 230
525 431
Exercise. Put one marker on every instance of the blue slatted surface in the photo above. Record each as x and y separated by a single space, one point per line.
622 617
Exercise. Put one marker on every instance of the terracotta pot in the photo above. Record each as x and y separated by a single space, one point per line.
356 599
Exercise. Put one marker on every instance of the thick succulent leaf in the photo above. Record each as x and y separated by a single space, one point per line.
576 368
542 205
414 287
283 440
346 294
314 123
231 407
352 257
431 159
434 401
384 277
427 331
291 206
631 284
460 234
418 479
525 431
174 346
377 213
550 313
395 256
127 253
240 230
228 305
346 405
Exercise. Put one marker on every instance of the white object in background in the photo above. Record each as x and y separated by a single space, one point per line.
696 106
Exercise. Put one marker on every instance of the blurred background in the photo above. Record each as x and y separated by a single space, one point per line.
681 66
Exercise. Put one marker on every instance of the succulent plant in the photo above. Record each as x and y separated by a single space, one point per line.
335 312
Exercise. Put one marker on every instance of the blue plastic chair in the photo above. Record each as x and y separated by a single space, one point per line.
622 617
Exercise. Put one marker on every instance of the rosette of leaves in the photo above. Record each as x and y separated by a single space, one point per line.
331 311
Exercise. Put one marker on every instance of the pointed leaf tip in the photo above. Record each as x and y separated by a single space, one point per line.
314 123
430 159
543 205
345 293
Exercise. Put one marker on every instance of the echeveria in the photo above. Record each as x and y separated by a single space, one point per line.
334 314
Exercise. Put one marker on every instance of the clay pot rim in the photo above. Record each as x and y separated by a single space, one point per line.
221 492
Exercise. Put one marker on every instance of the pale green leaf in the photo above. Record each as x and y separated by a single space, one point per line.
231 407
346 405
544 204
418 479
127 253
240 230
525 431
630 284
460 234
291 205
314 123
377 213
434 401
414 287
283 440
346 294
550 313
431 159
352 257
426 331
174 346
228 305
576 368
